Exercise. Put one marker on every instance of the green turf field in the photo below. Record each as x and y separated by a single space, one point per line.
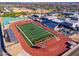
33 32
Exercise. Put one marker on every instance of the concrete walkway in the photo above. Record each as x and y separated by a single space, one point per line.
23 53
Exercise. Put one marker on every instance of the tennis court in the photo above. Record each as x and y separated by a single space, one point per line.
54 46
34 33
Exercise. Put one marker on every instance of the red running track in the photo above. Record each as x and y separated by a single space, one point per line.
53 47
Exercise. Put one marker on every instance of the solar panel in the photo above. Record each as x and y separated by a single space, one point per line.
74 18
66 24
50 24
44 20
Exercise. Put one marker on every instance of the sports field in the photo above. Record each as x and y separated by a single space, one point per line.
52 43
34 33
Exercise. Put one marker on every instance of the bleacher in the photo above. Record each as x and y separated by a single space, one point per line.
11 35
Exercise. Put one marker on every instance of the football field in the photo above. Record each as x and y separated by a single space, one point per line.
32 33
